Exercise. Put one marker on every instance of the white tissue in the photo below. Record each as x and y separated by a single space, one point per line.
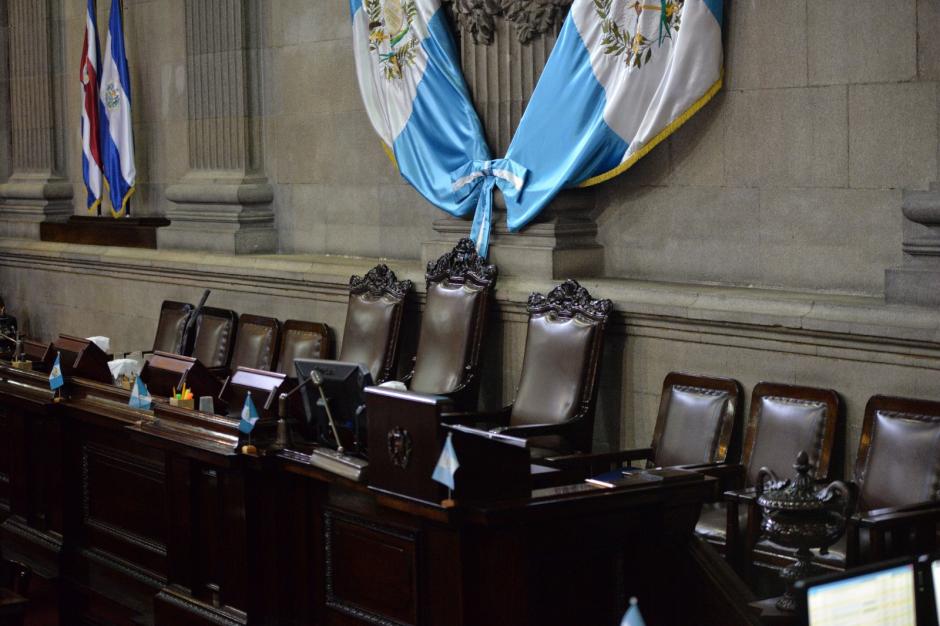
102 342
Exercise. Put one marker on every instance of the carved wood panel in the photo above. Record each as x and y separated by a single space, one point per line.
356 549
124 505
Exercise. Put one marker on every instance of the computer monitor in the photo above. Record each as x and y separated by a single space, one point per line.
342 385
880 594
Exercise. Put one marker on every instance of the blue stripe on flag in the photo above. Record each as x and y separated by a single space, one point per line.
562 138
443 132
115 25
354 5
717 8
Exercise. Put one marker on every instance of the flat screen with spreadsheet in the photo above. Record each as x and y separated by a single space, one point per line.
881 598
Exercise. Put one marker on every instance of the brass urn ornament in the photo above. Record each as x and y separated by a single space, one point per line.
799 514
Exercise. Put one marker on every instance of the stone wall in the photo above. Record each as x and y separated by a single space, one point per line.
791 178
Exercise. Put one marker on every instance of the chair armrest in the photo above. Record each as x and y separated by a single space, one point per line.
730 475
898 516
531 430
490 418
747 495
601 458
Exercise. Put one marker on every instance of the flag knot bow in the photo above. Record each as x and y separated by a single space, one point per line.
478 178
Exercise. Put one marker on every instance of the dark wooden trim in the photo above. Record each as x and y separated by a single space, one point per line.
128 232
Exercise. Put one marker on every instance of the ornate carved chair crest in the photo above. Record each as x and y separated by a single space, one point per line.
459 286
373 321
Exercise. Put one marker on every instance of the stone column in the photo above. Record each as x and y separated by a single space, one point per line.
917 281
37 190
223 204
504 45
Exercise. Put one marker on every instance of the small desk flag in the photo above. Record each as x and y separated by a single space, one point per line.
91 137
56 380
632 616
447 464
117 133
249 416
140 396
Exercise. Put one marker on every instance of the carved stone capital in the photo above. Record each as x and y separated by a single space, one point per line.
531 18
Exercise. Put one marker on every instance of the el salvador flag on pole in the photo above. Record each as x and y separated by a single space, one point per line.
623 75
249 416
91 137
417 101
117 134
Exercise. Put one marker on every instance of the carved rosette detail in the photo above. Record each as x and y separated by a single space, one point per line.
532 18
569 299
460 264
380 281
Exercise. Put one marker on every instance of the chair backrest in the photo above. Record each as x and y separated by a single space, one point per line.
215 336
785 419
303 340
373 321
562 357
696 419
458 291
256 343
171 327
898 460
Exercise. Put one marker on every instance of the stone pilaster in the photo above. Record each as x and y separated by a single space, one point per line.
504 45
36 190
224 202
917 281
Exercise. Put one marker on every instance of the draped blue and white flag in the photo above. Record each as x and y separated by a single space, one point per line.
623 75
117 134
417 101
633 617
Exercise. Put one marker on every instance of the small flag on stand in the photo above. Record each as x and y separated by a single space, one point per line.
91 138
140 396
632 616
56 380
249 416
447 464
117 133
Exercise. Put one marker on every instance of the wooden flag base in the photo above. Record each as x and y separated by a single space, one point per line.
26 366
448 503
250 450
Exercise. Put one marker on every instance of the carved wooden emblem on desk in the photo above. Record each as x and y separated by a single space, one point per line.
399 447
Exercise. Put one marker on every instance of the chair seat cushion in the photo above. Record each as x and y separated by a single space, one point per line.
713 522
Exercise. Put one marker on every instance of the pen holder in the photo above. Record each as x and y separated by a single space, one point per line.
183 404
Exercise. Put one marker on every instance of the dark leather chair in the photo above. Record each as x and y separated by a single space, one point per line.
373 321
459 287
171 328
215 338
784 420
557 394
896 477
303 340
257 342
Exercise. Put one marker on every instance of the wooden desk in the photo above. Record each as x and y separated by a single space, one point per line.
154 516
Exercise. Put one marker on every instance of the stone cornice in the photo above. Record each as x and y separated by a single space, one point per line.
851 327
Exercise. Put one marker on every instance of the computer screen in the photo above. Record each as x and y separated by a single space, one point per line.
881 598
935 576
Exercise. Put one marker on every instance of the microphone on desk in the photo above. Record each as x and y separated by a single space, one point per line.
283 439
317 379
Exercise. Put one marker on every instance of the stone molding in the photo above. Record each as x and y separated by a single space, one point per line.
917 280
223 203
857 328
37 190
